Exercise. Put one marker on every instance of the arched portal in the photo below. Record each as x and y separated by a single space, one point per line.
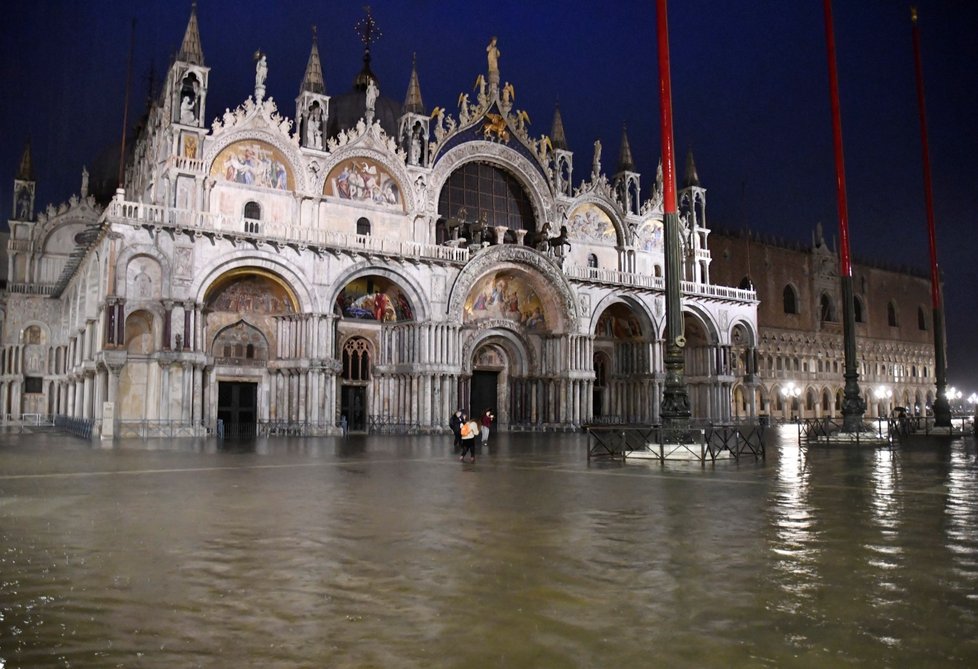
622 339
249 320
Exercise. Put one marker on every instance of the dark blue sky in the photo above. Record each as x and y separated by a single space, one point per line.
749 82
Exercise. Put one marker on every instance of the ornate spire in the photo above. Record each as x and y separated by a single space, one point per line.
190 51
692 178
625 161
557 136
313 81
26 171
369 33
412 101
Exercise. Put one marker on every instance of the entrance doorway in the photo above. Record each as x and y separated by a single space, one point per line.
353 405
483 393
237 407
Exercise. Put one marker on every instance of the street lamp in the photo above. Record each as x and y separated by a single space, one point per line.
954 394
883 394
791 393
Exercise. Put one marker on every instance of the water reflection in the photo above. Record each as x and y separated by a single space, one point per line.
388 552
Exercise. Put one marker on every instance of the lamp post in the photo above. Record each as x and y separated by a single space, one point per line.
791 393
883 394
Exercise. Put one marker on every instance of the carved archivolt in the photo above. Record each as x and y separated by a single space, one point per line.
518 258
497 154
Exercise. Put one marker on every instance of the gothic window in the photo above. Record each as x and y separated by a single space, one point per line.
921 319
891 315
826 309
363 226
592 260
487 194
857 305
790 300
356 360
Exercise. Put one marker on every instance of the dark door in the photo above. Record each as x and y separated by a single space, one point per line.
483 393
353 405
237 407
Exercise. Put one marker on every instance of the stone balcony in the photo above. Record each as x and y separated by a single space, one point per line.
197 223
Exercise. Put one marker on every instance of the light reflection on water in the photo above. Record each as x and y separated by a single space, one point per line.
388 552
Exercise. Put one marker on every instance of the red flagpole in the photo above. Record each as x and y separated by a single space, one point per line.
853 406
840 168
675 406
941 406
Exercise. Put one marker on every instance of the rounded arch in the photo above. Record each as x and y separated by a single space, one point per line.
584 219
143 332
232 156
367 178
748 334
520 259
520 353
520 167
702 317
650 327
409 286
255 262
130 253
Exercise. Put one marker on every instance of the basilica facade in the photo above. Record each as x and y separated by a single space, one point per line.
366 263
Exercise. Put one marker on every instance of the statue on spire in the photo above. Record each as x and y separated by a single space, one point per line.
261 73
492 55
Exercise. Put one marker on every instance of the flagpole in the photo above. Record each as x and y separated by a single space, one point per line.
675 399
853 406
942 408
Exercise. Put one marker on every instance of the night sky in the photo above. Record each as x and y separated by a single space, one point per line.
750 98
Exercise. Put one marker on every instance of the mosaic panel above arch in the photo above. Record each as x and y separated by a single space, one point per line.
374 298
361 179
589 221
506 295
253 163
650 235
251 291
618 321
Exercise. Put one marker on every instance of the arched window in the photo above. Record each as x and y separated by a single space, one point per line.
658 271
356 360
921 319
891 315
480 194
363 226
857 307
790 300
252 210
592 260
252 216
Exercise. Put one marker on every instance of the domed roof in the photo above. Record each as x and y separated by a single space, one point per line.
347 109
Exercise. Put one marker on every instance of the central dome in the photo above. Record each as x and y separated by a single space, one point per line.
347 109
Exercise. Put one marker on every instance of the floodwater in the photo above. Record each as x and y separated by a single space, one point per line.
388 552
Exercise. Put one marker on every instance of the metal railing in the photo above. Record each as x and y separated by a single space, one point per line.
694 440
79 427
377 424
149 429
